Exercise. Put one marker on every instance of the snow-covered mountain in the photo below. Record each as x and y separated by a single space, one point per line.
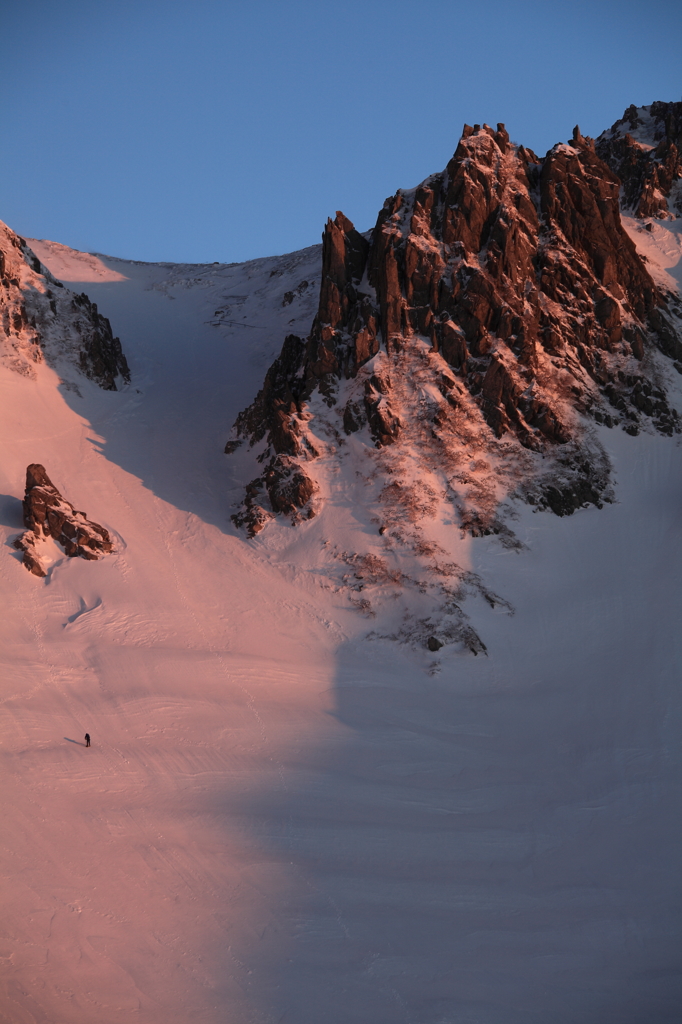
384 703
459 358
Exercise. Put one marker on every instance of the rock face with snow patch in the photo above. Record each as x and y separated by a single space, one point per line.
643 150
494 309
48 514
41 319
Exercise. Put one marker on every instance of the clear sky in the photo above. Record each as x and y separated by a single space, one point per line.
209 130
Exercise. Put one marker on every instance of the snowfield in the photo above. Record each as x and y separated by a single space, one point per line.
279 819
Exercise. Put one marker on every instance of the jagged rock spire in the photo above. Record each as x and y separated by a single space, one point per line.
518 274
48 514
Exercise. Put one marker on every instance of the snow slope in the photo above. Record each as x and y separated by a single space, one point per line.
280 820
660 241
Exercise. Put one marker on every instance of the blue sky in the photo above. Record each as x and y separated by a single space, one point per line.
210 130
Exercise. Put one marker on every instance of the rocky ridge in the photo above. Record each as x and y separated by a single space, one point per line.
643 150
48 514
513 277
41 319
462 353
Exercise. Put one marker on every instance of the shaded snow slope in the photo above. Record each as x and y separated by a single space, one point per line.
280 820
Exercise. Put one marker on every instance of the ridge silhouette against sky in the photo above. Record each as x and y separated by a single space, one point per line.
226 130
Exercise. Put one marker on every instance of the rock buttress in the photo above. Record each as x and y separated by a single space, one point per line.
40 319
48 514
517 274
644 150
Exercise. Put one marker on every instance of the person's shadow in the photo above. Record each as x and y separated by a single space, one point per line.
77 742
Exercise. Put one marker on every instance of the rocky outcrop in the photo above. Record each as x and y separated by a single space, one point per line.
100 355
41 319
48 514
515 275
278 413
644 150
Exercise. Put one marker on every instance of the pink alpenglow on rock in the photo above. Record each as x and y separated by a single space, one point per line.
503 306
48 514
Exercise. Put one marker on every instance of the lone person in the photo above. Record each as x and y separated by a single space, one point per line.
87 739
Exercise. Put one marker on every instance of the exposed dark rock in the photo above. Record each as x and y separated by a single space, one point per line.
48 514
276 411
296 293
668 339
285 488
384 424
252 515
289 487
101 357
